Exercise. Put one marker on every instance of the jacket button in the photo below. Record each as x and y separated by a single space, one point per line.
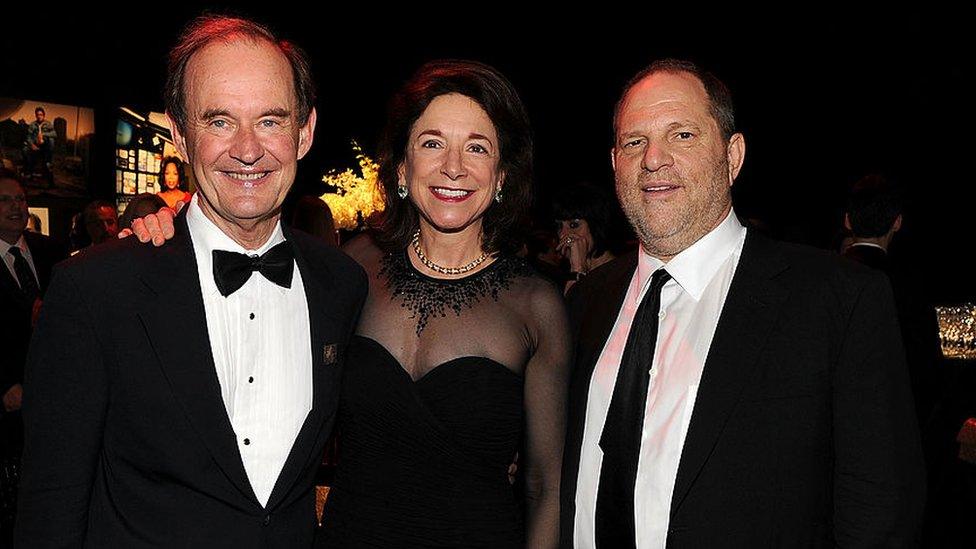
267 520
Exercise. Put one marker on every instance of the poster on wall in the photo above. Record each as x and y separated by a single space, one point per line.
143 148
48 144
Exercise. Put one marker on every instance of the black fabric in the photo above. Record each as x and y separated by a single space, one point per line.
25 276
128 442
430 422
621 437
802 433
232 270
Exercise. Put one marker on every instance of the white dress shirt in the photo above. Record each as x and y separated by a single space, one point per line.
8 258
260 340
691 303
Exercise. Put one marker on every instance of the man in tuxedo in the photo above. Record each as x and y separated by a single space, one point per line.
730 391
181 396
27 261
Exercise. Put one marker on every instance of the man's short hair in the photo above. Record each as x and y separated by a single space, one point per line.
39 109
720 104
872 206
207 29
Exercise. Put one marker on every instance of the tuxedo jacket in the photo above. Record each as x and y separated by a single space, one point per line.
802 434
128 443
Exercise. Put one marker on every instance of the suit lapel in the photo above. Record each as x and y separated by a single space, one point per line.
593 317
326 329
9 286
750 312
176 323
597 320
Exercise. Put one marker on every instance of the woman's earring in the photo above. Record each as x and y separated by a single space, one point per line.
498 194
402 191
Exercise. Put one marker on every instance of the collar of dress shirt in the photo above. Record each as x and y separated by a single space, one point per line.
869 245
21 243
694 268
207 237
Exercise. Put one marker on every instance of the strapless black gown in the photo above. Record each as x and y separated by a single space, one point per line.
432 411
424 463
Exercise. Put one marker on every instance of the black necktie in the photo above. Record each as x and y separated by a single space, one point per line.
231 269
25 276
621 438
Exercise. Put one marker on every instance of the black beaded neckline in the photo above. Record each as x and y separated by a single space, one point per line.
425 296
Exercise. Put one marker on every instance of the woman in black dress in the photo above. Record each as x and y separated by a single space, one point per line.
462 350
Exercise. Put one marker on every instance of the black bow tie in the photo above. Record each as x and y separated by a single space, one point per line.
231 269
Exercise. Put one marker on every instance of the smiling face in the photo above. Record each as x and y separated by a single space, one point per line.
673 169
171 176
452 164
13 210
242 136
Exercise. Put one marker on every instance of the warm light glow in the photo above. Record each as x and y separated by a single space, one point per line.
358 195
957 331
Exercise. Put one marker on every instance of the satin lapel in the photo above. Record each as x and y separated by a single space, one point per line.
750 312
327 327
176 324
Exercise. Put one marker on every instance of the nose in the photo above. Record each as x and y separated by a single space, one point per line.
453 166
656 156
246 147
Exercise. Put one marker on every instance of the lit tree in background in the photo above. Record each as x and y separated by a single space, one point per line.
358 194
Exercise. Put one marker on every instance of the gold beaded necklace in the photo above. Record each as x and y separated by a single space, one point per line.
443 270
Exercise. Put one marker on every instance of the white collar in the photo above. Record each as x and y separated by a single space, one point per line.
695 266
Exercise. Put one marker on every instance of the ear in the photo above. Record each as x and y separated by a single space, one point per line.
736 151
613 158
178 138
402 173
897 225
501 180
305 135
847 222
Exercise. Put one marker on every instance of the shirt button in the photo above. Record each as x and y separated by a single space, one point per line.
250 379
247 442
251 316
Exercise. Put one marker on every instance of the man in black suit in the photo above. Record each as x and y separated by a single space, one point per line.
27 261
873 217
730 391
174 397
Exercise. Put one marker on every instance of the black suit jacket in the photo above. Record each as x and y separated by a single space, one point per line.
128 443
802 433
15 329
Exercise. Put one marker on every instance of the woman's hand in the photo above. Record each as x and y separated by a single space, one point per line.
575 248
157 227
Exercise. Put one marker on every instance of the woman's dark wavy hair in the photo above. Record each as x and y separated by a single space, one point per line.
495 94
589 202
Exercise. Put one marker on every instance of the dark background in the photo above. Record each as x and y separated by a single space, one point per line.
823 96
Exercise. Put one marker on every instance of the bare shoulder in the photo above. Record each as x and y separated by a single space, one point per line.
363 249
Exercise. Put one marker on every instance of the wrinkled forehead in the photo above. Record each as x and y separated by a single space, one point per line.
239 67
